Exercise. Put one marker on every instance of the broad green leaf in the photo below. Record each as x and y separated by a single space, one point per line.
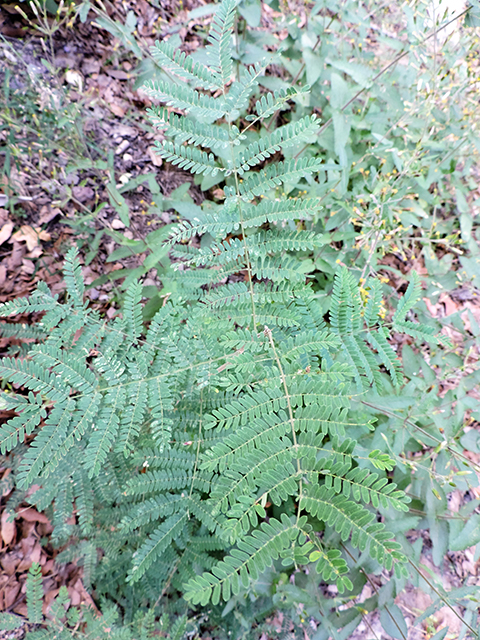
393 622
340 93
464 534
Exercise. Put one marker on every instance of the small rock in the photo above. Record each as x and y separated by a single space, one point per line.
123 146
83 194
90 65
117 224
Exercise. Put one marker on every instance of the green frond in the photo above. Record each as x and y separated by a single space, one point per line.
91 335
132 312
33 376
132 416
278 484
364 486
182 97
279 210
388 357
245 473
228 220
160 400
219 37
190 131
308 342
374 302
34 594
240 91
40 300
156 544
271 102
21 331
74 279
282 138
245 408
366 347
188 158
203 514
69 369
236 293
160 481
152 510
41 451
84 501
86 410
245 440
168 459
381 460
331 566
160 325
10 622
196 278
252 556
353 522
362 360
276 269
271 315
346 308
14 430
184 66
420 331
276 174
408 300
178 629
104 431
224 253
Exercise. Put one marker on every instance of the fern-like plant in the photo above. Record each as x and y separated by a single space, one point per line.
217 442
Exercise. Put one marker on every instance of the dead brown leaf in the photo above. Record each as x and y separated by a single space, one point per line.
8 528
15 258
6 232
116 109
47 214
31 515
9 563
30 236
28 267
10 594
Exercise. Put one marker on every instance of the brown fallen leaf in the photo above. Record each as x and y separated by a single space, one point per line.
36 553
14 260
116 109
8 528
9 563
31 236
6 232
31 515
10 594
47 214
28 267
118 74
36 253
